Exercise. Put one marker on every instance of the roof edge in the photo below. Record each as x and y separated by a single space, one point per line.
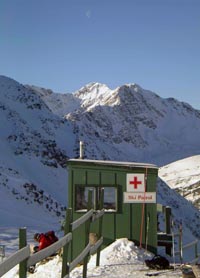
114 163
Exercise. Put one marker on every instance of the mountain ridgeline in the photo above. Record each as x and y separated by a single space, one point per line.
41 130
128 123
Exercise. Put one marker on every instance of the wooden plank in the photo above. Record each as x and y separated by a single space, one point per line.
98 215
196 270
13 260
80 257
82 219
22 244
164 243
190 244
164 237
48 251
195 261
96 246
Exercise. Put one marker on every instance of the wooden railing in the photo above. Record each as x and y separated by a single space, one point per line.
24 258
182 248
193 244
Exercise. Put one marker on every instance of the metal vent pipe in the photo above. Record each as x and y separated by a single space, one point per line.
81 150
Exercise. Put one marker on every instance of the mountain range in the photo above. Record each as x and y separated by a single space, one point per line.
129 123
40 130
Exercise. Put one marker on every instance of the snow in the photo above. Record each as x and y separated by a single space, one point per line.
184 177
122 259
181 173
162 131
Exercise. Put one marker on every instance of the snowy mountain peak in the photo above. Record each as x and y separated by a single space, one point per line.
92 91
132 86
98 90
93 86
41 129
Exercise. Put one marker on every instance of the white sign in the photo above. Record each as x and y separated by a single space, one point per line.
142 197
135 183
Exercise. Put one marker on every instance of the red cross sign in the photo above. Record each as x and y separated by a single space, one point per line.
135 183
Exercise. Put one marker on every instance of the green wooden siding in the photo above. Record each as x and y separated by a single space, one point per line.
127 220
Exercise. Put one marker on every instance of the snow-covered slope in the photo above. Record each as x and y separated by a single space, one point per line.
122 259
40 130
129 122
34 149
184 176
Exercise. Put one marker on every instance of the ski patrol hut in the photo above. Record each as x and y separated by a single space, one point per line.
129 200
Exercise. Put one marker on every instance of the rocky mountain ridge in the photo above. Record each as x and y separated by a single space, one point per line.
41 129
129 122
31 143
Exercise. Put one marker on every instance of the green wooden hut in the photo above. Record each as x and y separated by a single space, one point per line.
129 200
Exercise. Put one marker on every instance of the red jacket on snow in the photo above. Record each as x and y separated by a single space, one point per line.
44 242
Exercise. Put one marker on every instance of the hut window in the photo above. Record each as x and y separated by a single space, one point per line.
82 197
110 197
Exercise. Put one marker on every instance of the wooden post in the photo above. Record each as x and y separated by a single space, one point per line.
87 233
2 252
22 244
168 227
196 250
100 226
67 229
168 220
181 243
147 231
89 204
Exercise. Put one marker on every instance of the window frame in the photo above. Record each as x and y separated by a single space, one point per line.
96 196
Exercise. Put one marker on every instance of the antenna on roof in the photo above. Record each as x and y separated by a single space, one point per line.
81 150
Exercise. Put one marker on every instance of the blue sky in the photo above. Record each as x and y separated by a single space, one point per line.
65 44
